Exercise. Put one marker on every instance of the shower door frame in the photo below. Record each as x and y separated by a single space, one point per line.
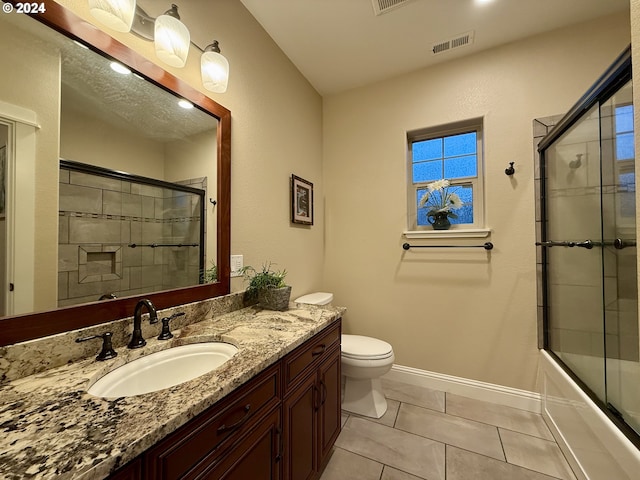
130 177
616 76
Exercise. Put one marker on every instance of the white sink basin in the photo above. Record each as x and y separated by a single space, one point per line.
163 369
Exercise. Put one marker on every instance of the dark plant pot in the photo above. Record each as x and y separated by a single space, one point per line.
275 298
439 220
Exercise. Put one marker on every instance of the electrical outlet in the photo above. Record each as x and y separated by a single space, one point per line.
237 262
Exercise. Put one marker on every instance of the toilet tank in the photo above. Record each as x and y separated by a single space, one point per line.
317 298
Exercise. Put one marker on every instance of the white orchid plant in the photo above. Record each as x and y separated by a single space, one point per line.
439 198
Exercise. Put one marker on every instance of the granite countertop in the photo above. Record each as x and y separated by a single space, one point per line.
51 428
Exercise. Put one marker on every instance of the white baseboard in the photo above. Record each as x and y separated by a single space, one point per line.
487 392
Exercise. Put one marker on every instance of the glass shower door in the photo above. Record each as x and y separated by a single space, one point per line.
589 257
620 256
573 237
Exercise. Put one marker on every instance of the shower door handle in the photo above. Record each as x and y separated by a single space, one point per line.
588 244
619 243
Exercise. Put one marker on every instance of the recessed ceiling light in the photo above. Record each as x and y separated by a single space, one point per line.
185 104
118 67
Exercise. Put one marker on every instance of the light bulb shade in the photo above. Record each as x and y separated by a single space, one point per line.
172 40
115 14
215 72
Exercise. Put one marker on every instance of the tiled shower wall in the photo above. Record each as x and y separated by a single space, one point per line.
585 335
101 217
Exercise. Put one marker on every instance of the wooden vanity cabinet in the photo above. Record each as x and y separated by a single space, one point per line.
311 405
204 442
131 471
282 424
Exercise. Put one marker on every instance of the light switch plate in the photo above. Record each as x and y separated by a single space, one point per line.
237 262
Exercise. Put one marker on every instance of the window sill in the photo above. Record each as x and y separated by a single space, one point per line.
453 233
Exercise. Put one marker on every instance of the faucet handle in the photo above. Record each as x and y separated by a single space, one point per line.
107 351
166 333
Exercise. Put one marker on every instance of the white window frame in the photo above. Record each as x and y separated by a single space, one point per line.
478 227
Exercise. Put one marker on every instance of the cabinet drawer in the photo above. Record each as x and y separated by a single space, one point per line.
302 359
256 457
184 449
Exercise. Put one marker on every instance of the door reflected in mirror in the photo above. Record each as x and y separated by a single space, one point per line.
4 287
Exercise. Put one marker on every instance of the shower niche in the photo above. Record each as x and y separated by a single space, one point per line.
587 246
123 234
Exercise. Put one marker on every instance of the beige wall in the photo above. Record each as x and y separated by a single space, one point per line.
463 312
190 159
86 139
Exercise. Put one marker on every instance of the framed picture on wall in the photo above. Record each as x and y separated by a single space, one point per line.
301 201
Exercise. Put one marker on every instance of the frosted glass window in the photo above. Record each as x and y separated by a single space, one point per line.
427 171
624 119
457 145
460 167
456 155
465 214
624 146
427 150
624 133
452 154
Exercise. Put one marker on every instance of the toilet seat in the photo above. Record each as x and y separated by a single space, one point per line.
317 298
359 347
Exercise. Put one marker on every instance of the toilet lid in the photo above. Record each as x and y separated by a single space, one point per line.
318 298
359 346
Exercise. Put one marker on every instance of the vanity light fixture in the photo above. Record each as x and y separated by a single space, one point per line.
214 68
118 67
171 38
115 14
185 104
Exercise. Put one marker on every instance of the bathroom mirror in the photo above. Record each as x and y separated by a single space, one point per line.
76 124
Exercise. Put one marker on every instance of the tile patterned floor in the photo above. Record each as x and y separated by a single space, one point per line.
432 435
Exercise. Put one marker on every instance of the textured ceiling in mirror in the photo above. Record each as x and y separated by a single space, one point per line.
124 101
89 83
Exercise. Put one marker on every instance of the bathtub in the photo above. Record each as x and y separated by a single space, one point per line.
595 448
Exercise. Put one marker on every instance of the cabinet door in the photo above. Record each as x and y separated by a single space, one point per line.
300 430
256 457
329 418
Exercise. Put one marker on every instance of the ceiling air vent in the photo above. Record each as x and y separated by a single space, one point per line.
383 6
458 41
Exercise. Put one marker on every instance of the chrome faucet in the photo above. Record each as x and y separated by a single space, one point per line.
136 338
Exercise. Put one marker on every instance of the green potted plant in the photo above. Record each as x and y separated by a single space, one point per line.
268 287
210 274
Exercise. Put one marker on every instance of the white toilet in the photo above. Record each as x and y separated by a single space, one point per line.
364 361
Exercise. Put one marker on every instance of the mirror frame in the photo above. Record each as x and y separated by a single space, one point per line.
24 327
